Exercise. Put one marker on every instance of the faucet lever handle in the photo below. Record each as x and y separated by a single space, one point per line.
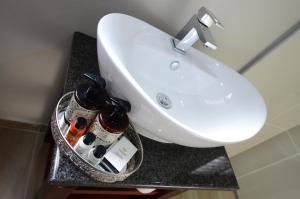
207 18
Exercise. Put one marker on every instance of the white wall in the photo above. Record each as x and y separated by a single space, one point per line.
35 39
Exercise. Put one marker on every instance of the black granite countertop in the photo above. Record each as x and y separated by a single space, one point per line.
164 165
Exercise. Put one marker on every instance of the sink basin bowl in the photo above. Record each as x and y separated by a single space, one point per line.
191 100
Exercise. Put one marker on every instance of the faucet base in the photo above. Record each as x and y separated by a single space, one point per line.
174 42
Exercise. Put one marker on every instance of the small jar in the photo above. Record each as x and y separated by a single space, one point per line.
76 130
95 155
85 143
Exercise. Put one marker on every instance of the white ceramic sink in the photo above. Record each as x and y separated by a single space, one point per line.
190 99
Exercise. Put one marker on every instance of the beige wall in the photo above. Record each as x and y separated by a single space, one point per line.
206 194
35 39
271 169
277 77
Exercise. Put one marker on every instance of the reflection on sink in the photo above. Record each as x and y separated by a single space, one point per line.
190 99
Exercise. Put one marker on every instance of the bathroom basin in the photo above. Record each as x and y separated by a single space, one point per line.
191 100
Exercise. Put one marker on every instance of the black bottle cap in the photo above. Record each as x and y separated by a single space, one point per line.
96 79
80 123
120 108
99 151
89 138
121 104
92 95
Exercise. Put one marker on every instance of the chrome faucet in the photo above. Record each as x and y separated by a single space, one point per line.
197 29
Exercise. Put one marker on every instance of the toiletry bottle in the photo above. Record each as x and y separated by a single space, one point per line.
88 99
111 122
85 143
95 155
77 129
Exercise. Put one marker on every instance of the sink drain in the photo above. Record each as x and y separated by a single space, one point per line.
163 100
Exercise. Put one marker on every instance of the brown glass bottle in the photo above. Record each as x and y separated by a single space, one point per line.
76 130
113 119
111 122
88 99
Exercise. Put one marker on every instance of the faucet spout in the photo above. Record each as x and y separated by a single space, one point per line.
196 29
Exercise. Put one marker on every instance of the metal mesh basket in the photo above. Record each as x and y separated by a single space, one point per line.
99 175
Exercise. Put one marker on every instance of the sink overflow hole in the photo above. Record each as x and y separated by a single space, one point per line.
174 65
163 100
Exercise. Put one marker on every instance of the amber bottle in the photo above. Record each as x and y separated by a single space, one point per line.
88 99
76 130
111 122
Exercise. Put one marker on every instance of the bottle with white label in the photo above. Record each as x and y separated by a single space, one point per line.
95 155
88 99
111 122
85 143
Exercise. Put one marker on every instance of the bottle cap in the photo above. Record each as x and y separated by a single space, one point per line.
92 95
89 138
96 79
120 108
80 123
99 151
121 104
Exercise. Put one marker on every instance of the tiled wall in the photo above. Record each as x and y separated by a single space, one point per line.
271 169
23 159
276 77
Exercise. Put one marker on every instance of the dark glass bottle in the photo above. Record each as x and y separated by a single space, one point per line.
111 122
88 99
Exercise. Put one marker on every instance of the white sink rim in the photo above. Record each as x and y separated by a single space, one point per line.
124 70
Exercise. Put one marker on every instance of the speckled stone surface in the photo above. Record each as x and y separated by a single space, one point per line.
164 165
